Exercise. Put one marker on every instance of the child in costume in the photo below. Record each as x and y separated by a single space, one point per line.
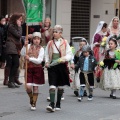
35 73
87 64
57 53
76 59
111 74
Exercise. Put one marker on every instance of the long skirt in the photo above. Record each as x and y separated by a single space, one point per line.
110 79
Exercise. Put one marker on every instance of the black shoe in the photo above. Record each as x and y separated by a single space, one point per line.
80 98
76 93
18 82
51 107
98 79
111 96
114 97
16 86
11 85
85 93
90 98
58 106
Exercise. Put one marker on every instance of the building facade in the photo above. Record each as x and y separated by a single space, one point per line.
77 17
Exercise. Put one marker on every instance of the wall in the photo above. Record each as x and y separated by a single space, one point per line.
98 7
15 6
63 16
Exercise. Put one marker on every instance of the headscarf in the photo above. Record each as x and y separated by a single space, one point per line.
99 27
83 39
111 25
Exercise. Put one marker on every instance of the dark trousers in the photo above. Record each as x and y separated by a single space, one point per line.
3 56
90 79
12 62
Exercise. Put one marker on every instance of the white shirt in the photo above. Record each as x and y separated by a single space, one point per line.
33 59
68 56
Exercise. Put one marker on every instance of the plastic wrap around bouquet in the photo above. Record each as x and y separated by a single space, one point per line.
73 50
117 56
56 62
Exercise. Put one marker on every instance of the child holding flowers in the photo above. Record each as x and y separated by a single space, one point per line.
111 72
58 53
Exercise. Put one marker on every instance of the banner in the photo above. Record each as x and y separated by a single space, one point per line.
35 11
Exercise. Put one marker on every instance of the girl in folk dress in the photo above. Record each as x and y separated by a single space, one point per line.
99 50
35 73
111 75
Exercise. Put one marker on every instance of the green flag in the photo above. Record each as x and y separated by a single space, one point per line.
35 10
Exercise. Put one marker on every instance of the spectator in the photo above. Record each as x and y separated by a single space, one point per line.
13 45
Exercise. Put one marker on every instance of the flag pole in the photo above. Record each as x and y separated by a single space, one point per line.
26 54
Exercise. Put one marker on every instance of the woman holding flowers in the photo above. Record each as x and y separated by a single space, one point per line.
98 45
100 33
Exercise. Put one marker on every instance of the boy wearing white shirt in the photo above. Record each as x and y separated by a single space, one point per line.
57 51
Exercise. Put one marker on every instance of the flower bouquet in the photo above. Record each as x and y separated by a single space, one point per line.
103 43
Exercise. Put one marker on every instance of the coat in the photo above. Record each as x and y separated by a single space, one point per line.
13 42
92 63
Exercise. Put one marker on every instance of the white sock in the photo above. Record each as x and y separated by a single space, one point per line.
114 92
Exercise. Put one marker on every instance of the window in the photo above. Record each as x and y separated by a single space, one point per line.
80 18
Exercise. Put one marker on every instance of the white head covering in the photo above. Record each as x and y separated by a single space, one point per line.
36 34
111 23
58 28
99 27
110 26
83 39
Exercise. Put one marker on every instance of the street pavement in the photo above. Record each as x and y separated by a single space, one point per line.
14 104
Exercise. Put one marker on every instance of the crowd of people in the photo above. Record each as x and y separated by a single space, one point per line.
95 65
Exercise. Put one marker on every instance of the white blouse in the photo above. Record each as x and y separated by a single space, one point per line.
68 56
33 59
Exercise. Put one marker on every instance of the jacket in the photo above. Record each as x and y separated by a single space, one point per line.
92 63
13 38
